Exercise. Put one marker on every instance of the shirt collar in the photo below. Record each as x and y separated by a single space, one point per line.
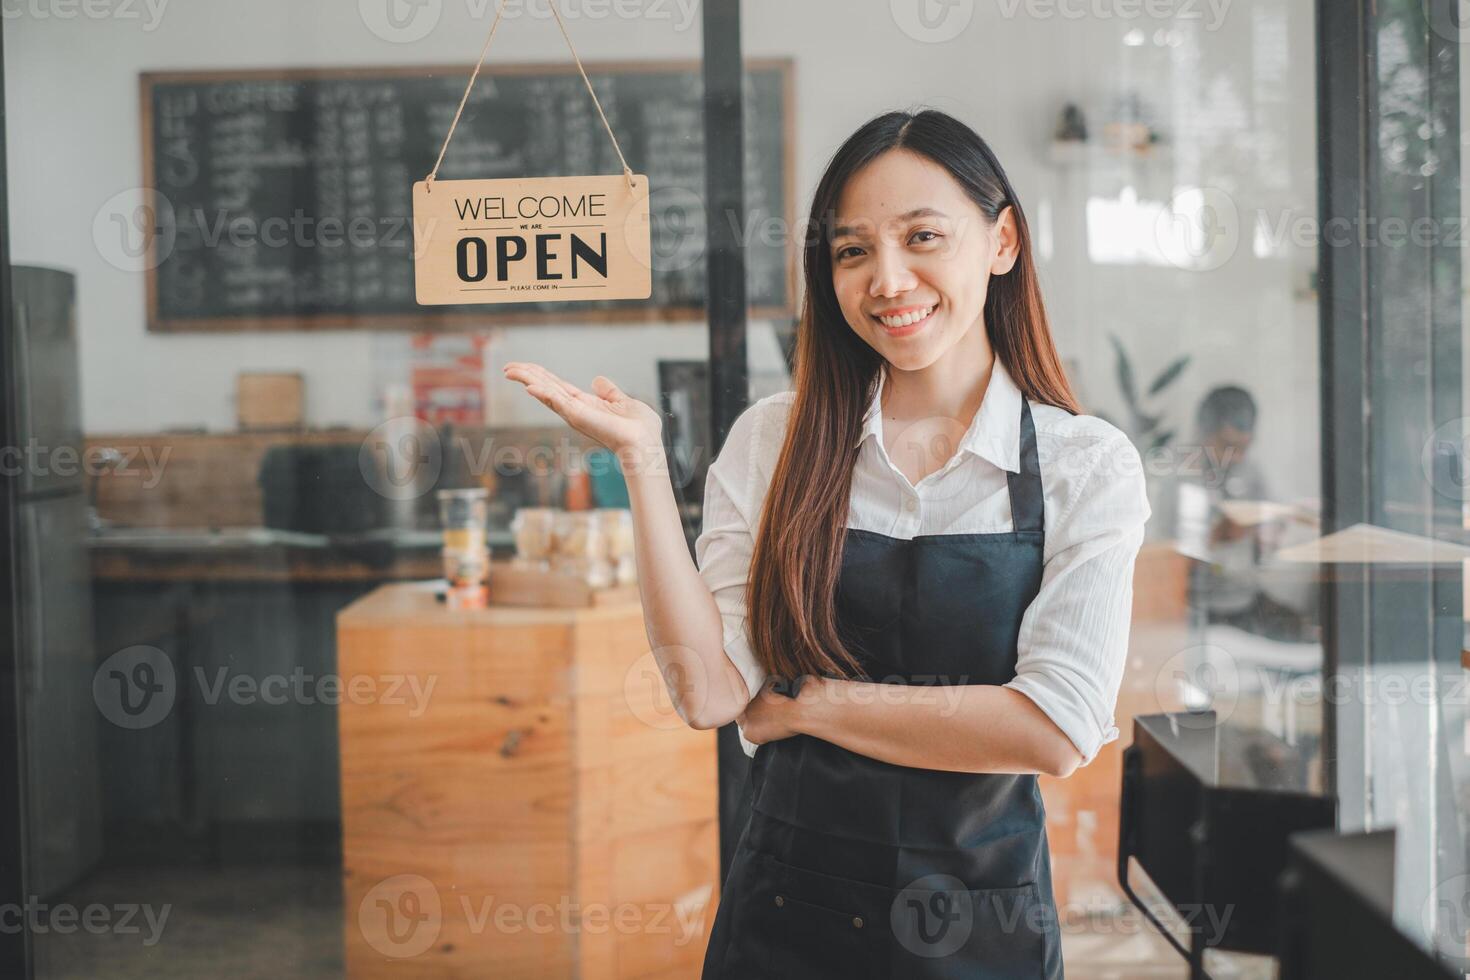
994 433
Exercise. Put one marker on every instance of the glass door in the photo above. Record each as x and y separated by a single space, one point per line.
256 721
1394 456
247 731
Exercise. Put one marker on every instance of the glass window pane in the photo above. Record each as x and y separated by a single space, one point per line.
254 715
1166 161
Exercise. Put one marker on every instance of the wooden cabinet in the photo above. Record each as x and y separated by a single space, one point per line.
518 797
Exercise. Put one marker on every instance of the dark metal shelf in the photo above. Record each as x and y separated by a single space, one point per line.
1337 913
1215 851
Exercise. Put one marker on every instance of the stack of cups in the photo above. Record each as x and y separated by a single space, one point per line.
464 514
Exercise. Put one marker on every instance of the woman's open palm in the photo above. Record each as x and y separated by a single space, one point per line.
606 414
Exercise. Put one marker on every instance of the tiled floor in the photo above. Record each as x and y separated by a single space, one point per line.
274 923
1123 946
262 923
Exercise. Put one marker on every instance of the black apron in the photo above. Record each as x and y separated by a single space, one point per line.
852 868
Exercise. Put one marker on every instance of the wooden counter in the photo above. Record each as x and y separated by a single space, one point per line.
285 566
539 811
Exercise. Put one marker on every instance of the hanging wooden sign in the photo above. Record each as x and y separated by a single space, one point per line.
533 239
538 239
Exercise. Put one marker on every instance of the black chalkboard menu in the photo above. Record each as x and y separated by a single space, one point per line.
283 197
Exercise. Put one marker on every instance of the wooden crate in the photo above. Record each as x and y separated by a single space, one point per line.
513 585
545 775
266 401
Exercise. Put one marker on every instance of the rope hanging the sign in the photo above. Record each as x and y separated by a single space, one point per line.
500 12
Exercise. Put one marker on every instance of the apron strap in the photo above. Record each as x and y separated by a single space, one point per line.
1025 486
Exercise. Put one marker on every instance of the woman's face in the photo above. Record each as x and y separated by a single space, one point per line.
911 248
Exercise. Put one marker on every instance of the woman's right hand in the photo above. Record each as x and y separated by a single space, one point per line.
606 415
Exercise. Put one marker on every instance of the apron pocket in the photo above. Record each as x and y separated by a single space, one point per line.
822 925
979 934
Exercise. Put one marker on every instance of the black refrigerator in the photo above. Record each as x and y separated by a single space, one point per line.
60 722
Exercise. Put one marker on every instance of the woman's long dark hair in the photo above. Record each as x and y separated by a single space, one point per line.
798 551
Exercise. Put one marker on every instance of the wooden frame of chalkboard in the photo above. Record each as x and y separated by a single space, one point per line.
224 240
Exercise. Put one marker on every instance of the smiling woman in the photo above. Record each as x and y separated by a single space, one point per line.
927 509
924 266
913 587
944 245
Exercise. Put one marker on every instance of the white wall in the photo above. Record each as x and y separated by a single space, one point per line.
1236 97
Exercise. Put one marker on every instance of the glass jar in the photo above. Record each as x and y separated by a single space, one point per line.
578 535
617 532
534 529
468 507
466 574
464 515
627 571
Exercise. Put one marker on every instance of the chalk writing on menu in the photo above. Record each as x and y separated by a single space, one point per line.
289 192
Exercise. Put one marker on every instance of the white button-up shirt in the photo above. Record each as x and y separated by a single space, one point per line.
1073 641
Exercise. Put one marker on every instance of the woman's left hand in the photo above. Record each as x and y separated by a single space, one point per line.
772 716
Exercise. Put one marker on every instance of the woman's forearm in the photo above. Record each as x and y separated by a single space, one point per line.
962 728
682 620
681 616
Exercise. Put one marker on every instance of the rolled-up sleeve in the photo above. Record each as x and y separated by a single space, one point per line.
733 495
1073 642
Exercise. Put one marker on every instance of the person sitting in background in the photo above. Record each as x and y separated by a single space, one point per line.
1195 509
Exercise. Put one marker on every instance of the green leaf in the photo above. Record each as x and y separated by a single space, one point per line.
1168 375
1125 372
